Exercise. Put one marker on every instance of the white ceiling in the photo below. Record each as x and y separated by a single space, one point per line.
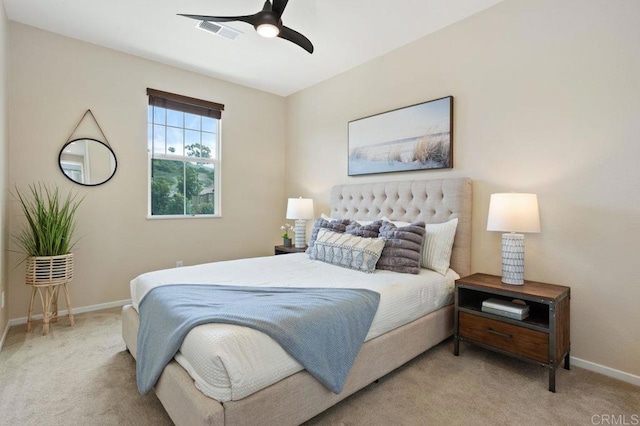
345 33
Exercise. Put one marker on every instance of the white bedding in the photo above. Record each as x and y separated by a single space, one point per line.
229 362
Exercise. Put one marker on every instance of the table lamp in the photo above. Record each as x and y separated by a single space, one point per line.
300 209
514 214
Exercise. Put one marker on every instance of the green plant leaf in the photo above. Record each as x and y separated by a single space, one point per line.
50 220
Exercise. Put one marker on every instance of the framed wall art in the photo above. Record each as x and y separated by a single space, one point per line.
417 137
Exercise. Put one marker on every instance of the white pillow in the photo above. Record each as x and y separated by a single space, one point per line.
438 243
397 223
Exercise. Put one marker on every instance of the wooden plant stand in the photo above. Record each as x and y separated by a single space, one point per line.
46 274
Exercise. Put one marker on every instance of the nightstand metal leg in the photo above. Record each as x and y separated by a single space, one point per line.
552 347
456 325
552 378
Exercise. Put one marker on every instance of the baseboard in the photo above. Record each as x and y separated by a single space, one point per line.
91 308
4 335
606 371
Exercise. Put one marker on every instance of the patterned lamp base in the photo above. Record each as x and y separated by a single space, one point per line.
512 258
300 230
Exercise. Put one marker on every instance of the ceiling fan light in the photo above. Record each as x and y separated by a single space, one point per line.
268 30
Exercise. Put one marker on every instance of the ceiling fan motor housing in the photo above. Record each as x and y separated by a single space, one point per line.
267 17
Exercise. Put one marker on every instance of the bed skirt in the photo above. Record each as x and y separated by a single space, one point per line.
299 397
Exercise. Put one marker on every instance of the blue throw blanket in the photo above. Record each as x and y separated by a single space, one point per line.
323 329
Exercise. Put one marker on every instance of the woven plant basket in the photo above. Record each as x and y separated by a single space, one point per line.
49 270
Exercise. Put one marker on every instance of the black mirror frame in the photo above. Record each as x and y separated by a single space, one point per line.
115 160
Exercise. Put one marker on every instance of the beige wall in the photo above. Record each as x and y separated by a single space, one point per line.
4 169
54 80
547 100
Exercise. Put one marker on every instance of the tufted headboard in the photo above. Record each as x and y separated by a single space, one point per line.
432 201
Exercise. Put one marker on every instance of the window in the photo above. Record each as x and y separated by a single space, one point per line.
74 170
184 156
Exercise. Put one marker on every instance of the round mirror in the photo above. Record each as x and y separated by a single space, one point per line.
88 162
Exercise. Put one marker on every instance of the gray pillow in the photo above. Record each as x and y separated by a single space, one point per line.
367 231
403 249
337 225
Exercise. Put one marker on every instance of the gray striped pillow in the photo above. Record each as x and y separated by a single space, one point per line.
346 250
336 225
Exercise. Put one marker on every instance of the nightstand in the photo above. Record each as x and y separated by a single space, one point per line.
542 337
288 250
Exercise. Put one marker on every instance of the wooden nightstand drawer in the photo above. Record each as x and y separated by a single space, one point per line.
507 337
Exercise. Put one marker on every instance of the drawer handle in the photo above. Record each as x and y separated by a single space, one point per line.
492 331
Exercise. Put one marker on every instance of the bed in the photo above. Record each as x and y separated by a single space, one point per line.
296 396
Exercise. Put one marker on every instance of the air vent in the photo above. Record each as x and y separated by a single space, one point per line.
218 29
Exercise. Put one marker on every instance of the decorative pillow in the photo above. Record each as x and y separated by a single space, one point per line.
403 249
370 230
338 225
438 243
397 223
346 250
361 222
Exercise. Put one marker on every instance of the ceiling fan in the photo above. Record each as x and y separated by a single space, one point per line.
267 22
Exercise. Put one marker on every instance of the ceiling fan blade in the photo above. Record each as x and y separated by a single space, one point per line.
279 5
249 19
297 38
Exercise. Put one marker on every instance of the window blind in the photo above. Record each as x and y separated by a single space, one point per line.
185 104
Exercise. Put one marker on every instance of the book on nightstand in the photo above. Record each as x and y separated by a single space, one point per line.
505 308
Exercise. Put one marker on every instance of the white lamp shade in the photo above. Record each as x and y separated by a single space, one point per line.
300 208
513 212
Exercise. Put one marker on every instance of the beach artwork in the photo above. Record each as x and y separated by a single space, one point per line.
417 137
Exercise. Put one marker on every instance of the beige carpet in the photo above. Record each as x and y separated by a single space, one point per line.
82 375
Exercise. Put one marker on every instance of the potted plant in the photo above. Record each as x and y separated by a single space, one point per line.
50 221
46 240
286 240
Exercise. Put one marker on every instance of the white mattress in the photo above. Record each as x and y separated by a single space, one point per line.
229 362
